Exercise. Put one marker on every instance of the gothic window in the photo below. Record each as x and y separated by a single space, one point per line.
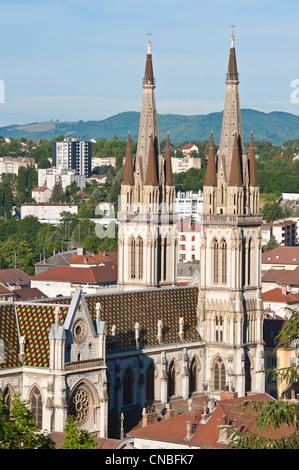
249 262
140 258
36 406
150 382
194 375
248 377
223 248
172 379
219 374
133 258
80 404
215 261
7 398
128 387
218 329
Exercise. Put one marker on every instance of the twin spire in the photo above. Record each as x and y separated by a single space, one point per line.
236 178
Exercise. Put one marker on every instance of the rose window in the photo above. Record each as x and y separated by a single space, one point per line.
80 404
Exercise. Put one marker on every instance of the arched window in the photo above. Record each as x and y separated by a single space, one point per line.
248 377
133 258
150 382
172 379
223 247
219 374
7 399
128 387
218 329
249 262
215 261
140 258
36 406
194 376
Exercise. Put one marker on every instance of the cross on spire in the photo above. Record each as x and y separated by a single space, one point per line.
232 27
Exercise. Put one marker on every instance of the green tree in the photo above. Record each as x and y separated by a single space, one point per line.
19 253
272 211
272 243
77 438
18 429
57 193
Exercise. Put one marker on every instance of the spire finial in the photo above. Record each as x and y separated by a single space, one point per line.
149 44
232 38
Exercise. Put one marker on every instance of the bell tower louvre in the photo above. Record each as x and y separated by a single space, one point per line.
147 244
230 308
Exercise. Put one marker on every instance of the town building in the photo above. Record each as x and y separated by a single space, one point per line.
187 149
48 177
63 281
72 154
284 232
206 426
189 236
282 257
12 165
48 212
180 165
189 205
41 194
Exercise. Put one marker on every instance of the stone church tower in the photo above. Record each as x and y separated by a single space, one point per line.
230 310
147 244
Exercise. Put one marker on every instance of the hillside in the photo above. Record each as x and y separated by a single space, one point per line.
274 127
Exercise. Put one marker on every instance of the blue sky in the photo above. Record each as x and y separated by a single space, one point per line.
75 59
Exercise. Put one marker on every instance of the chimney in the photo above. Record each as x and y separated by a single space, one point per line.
223 429
149 416
170 412
228 395
189 429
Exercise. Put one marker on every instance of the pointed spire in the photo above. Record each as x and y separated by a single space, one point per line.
211 176
149 73
168 168
252 163
235 172
128 171
232 72
151 175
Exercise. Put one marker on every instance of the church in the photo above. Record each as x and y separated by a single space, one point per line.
152 341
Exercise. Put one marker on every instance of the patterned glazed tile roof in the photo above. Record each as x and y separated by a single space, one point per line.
147 307
122 309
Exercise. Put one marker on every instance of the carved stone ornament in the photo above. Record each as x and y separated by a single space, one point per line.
79 331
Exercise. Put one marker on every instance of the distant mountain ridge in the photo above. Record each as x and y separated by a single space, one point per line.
275 127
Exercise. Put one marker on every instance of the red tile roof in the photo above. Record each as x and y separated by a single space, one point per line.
95 259
276 295
282 255
205 434
90 275
285 276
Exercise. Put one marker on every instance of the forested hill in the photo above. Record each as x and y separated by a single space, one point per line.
274 127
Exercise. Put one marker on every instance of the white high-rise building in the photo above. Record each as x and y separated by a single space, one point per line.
72 154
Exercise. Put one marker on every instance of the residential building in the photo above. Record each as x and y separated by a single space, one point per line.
189 205
180 165
64 280
12 165
189 237
41 194
282 257
204 426
284 232
281 277
14 278
187 149
48 177
278 301
48 212
98 162
72 154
